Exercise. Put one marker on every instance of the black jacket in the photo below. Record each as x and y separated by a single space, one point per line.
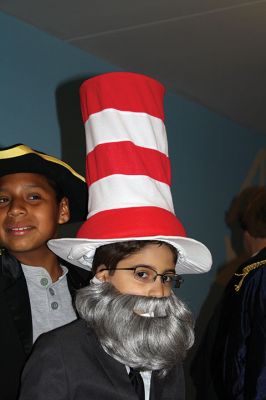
15 320
69 363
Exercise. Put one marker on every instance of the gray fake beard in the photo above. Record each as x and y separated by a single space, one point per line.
146 343
143 342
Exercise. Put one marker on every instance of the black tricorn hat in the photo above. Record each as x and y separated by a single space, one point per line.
21 158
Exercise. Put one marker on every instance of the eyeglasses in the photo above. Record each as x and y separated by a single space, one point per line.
146 274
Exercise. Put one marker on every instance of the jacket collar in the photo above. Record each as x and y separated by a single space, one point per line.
9 266
13 285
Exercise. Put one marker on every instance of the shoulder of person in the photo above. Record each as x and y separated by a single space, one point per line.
70 341
251 273
71 332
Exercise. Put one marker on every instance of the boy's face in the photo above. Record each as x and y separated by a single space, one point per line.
159 258
29 213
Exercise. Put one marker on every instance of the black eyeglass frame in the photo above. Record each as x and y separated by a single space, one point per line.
176 284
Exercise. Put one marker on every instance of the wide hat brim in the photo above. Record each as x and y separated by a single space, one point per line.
193 256
20 158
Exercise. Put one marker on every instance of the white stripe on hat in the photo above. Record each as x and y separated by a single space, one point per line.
112 125
125 193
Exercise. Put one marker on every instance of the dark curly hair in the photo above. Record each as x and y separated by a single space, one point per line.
248 211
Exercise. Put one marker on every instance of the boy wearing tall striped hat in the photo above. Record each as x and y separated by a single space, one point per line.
37 194
134 332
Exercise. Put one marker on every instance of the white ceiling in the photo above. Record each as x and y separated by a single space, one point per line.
211 51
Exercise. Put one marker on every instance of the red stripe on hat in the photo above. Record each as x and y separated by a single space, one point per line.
118 90
131 222
128 159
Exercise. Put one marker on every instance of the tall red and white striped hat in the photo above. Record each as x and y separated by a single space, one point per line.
128 173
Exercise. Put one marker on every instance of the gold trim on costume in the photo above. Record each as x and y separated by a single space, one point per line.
246 270
22 150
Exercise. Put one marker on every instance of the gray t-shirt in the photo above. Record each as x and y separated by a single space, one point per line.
51 302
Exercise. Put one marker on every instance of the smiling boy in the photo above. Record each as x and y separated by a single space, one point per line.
36 287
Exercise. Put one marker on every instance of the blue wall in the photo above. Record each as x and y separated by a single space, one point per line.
211 156
32 67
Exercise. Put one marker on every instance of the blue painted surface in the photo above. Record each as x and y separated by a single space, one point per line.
211 157
32 66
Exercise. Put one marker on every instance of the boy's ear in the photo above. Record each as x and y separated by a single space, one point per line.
102 275
64 212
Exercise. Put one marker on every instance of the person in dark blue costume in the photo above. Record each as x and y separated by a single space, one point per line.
238 362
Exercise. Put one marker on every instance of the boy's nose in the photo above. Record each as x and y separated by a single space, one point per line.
157 288
16 207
